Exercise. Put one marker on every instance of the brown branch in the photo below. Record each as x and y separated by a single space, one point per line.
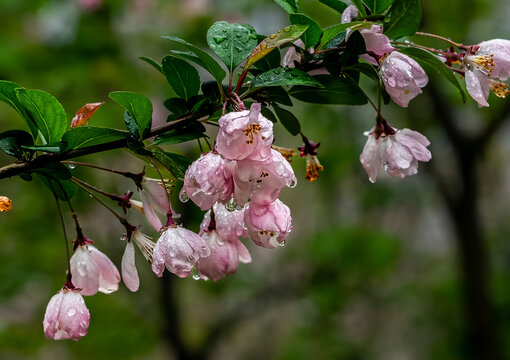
43 160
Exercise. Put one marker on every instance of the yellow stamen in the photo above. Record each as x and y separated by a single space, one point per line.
286 152
500 89
5 204
252 129
312 168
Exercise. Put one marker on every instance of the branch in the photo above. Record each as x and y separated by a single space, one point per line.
40 161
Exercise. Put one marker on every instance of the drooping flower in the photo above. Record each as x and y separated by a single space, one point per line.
128 267
244 134
489 59
397 150
207 182
268 225
313 166
66 315
403 77
93 271
228 224
261 181
178 249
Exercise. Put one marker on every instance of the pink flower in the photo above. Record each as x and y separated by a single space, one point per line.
228 224
245 134
268 225
224 259
207 182
178 249
66 316
398 150
489 59
92 271
261 181
349 13
402 77
377 44
128 267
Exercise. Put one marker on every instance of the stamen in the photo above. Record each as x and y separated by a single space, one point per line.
286 152
145 244
312 168
500 89
484 63
5 204
252 129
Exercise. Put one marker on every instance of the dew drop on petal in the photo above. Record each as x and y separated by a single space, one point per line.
183 197
71 312
281 243
292 184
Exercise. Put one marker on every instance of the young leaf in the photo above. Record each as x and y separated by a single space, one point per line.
290 6
271 59
334 91
181 76
378 6
152 63
84 114
46 112
8 95
88 135
174 163
231 42
288 120
405 18
11 142
189 131
281 37
139 108
337 5
284 76
208 61
431 63
312 34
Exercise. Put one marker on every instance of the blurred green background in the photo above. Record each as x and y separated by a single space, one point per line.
401 269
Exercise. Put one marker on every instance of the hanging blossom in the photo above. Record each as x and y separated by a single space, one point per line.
92 270
207 181
313 166
403 77
485 62
66 315
397 150
268 225
128 267
221 230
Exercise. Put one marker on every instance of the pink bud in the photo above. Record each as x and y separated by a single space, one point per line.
245 134
224 258
403 77
66 316
207 182
93 271
178 249
268 225
398 153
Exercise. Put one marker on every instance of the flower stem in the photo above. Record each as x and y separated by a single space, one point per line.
137 178
460 46
65 232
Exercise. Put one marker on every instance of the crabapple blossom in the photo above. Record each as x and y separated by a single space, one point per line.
397 150
93 271
178 249
268 225
261 181
403 77
228 224
207 182
66 315
244 134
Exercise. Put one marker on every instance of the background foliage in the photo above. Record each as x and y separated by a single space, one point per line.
371 270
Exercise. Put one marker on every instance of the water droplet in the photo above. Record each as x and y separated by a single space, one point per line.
218 39
231 205
71 312
263 46
183 197
292 184
195 274
71 166
272 36
281 243
286 28
123 237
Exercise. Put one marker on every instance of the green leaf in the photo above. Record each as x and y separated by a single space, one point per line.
231 42
152 63
360 6
181 76
378 6
405 18
84 136
337 5
189 131
431 63
208 61
268 114
64 190
49 148
284 76
279 38
46 113
335 91
330 32
176 106
174 163
55 171
288 120
367 69
273 94
312 34
11 142
211 91
8 95
290 6
139 108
